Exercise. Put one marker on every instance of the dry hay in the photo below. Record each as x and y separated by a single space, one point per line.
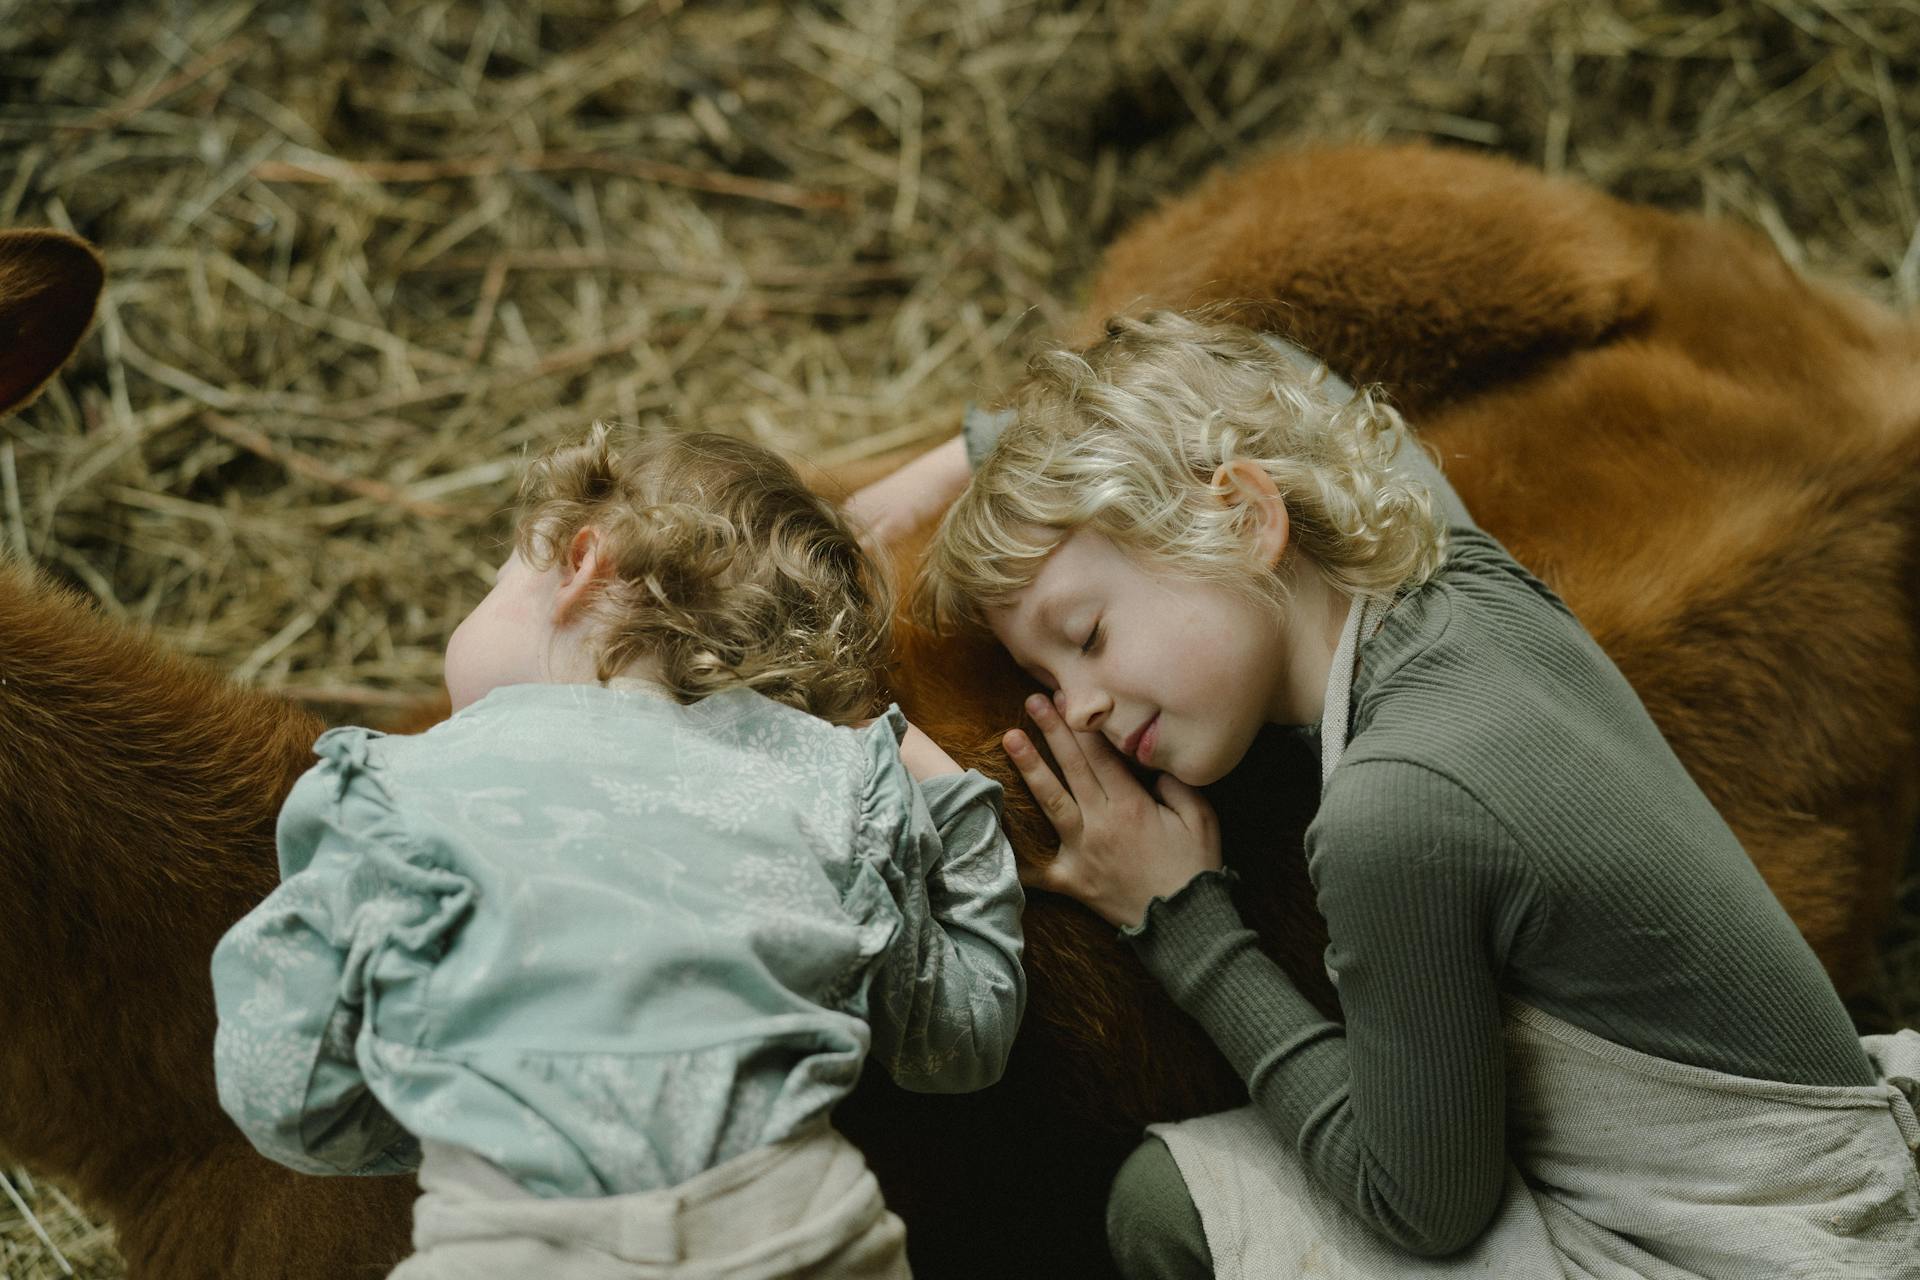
361 260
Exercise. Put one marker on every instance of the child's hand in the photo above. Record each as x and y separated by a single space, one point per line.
923 757
1120 847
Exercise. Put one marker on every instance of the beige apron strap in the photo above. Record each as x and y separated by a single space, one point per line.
1909 1124
1363 618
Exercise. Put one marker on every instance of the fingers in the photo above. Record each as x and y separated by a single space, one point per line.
1068 749
1061 874
1055 800
1187 804
1108 766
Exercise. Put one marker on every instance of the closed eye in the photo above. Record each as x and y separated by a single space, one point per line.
1093 638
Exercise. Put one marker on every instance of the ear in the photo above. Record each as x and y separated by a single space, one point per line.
583 566
49 283
1244 481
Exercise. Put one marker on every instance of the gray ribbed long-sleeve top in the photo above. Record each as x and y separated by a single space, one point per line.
1507 820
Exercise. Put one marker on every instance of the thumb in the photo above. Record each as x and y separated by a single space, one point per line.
1179 797
1045 876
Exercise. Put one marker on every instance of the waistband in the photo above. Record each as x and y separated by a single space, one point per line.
775 1200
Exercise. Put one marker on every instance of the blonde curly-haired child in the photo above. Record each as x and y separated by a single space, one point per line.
600 952
1578 1036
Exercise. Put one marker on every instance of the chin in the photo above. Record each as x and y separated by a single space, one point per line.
1206 772
1198 776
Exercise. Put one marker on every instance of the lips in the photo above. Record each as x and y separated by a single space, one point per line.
1139 737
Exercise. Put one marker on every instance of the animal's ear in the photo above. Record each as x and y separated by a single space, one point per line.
49 283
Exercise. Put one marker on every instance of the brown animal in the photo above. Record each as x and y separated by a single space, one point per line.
138 793
1711 459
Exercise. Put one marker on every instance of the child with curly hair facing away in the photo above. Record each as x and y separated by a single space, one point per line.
1578 1037
600 952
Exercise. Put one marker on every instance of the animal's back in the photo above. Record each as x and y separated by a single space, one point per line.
138 793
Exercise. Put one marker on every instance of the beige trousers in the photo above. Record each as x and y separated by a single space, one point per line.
1624 1167
806 1207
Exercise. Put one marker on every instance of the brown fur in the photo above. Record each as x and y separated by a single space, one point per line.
1712 459
138 794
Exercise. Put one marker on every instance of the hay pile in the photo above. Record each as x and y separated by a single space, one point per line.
360 261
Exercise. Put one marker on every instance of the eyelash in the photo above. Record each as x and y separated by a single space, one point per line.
1093 637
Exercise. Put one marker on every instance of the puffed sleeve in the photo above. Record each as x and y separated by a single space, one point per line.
949 993
293 979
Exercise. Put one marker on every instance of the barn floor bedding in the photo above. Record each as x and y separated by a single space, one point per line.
362 256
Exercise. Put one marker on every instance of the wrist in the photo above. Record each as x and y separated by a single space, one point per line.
1199 898
916 495
924 757
1184 938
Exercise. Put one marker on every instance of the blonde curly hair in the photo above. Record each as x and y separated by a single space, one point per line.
727 570
1125 438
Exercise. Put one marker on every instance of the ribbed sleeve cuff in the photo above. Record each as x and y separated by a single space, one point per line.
1201 900
1196 945
1192 942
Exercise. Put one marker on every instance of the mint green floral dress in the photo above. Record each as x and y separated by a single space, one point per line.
607 941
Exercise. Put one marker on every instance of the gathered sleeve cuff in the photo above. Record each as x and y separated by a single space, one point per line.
949 991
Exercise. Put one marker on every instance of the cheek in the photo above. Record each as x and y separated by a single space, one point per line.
1216 668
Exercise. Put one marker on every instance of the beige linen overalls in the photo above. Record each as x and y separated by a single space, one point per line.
1623 1166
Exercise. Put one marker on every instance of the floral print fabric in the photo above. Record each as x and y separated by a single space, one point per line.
608 941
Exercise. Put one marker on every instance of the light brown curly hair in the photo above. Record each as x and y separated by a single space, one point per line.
1125 438
727 570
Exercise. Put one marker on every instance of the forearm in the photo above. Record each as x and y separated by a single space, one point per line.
894 507
1413 1179
967 994
940 473
1293 1060
287 994
974 894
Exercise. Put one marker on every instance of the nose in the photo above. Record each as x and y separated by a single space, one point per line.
1084 710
